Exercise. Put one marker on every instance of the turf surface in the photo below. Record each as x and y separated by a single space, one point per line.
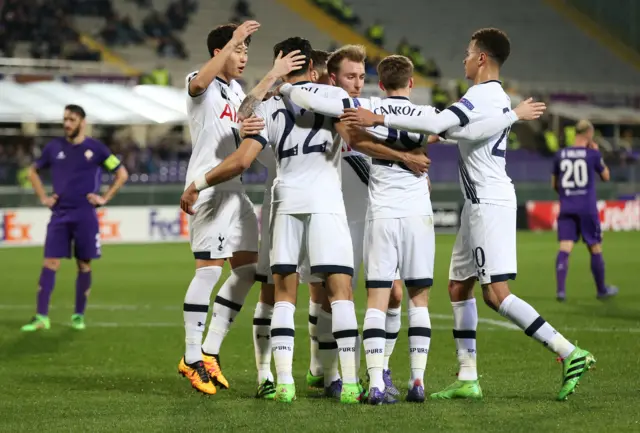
120 374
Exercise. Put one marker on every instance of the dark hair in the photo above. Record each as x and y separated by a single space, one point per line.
494 42
395 72
220 36
353 53
320 58
76 109
292 44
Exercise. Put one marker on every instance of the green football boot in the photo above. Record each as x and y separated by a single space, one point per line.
77 322
266 390
460 389
574 367
315 381
351 393
37 322
285 393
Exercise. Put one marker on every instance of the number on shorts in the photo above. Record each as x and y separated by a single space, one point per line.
478 254
307 147
574 173
496 151
98 244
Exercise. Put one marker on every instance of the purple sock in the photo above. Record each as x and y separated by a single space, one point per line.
562 268
597 269
46 283
83 284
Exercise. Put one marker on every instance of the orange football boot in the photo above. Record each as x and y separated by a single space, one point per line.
213 368
198 376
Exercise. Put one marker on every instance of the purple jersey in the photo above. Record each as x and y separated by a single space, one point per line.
76 169
575 170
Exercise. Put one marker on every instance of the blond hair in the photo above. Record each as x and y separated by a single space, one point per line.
583 126
353 53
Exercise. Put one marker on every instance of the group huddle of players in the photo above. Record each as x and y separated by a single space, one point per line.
347 183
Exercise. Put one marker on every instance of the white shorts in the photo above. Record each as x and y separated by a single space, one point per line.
223 225
404 246
263 268
485 246
324 238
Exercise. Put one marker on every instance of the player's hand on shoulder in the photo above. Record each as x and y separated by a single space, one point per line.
530 110
251 126
50 201
593 145
417 161
243 31
188 199
96 200
361 117
432 138
291 62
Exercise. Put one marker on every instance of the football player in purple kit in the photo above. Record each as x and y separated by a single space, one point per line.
76 163
574 172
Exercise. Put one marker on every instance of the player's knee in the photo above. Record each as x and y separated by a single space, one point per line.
566 246
339 287
267 294
461 290
242 258
316 292
83 265
595 249
378 299
52 264
395 300
494 293
419 296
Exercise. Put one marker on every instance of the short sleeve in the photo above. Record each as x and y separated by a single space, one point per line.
105 158
263 136
45 158
198 97
467 107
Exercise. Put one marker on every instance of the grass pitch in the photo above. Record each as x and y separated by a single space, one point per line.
120 374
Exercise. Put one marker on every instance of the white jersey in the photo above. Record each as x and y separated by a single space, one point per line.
482 164
268 160
394 190
214 131
307 151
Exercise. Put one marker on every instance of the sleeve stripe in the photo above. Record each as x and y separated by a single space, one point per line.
259 138
111 163
346 103
464 120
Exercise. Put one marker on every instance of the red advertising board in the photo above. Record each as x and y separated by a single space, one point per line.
615 215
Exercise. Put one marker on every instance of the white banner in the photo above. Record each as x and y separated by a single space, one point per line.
118 224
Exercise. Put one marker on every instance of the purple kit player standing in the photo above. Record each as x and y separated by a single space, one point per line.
574 172
75 162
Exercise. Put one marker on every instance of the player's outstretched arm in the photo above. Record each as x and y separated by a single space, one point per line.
361 141
232 166
428 123
281 67
214 66
313 102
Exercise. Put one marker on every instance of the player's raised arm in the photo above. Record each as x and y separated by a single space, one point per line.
281 67
201 81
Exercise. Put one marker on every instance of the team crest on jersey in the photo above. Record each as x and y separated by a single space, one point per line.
467 103
88 154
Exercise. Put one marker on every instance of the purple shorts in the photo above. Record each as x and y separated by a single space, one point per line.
77 226
571 227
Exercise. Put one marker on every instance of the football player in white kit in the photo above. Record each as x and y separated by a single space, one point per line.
485 247
223 224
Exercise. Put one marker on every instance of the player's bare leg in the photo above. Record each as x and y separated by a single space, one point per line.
196 308
419 340
83 287
283 333
465 324
597 269
315 375
45 287
392 328
562 268
226 305
345 331
576 361
262 341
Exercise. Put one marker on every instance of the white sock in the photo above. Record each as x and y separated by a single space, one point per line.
196 307
392 328
345 331
327 348
465 323
373 335
528 319
419 342
282 336
262 340
227 305
315 364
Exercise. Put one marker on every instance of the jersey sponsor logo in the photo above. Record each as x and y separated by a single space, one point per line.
12 230
109 228
168 228
467 103
230 113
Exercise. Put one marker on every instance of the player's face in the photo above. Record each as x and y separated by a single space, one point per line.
236 62
73 124
350 77
471 60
